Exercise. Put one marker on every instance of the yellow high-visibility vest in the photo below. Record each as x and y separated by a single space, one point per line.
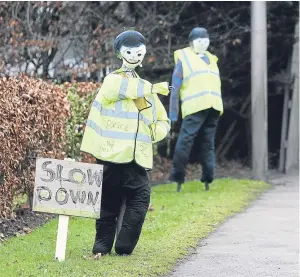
116 130
201 86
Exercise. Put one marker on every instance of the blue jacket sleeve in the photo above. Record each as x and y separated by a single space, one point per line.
176 85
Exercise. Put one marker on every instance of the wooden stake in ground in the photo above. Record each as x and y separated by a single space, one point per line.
259 106
61 240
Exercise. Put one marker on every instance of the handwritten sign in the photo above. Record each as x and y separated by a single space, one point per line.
68 188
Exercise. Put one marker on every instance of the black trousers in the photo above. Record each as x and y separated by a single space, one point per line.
202 125
119 180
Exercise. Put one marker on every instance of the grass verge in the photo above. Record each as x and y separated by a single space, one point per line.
177 223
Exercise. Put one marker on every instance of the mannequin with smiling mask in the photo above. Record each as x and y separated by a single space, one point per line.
196 83
131 50
126 118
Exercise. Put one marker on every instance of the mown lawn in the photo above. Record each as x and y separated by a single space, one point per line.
177 223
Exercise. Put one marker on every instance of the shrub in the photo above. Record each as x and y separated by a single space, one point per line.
33 115
80 97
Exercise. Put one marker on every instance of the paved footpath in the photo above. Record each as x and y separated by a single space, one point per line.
263 241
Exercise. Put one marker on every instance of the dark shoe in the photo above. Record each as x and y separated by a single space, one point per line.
98 248
206 186
178 187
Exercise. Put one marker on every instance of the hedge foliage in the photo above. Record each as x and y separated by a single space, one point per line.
33 114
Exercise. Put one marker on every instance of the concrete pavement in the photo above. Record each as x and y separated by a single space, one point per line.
263 241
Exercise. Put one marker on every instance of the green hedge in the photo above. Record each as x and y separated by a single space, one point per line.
80 105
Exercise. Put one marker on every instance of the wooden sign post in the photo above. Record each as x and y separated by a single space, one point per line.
62 235
67 188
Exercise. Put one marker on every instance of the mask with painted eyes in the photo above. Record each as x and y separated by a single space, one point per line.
130 47
132 56
200 45
199 40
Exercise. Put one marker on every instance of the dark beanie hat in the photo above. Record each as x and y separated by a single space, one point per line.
198 32
129 39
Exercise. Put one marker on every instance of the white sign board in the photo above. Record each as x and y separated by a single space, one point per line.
68 188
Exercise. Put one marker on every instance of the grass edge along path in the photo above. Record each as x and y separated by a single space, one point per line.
170 231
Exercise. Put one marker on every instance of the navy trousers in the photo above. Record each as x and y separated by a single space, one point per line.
202 124
121 180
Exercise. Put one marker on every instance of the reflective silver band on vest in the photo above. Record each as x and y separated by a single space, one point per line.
118 135
123 88
118 107
200 72
199 94
140 92
187 61
119 113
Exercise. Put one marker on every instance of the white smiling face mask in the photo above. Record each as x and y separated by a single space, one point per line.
200 45
132 56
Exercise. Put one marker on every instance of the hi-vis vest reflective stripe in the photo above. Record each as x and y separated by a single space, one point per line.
201 87
116 130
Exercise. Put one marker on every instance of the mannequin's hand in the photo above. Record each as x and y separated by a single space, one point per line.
161 88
